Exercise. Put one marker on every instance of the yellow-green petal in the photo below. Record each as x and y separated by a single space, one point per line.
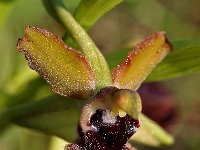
67 70
140 61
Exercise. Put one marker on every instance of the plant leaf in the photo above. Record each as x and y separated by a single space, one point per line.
185 43
140 61
151 133
48 4
65 69
88 12
59 116
5 7
54 115
114 58
184 60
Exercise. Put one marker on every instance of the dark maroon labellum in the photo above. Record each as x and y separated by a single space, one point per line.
108 136
105 131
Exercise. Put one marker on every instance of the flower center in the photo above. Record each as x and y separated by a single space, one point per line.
104 125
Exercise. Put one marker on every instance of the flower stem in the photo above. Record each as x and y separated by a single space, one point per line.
87 47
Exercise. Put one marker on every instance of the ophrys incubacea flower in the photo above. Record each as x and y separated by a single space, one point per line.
110 116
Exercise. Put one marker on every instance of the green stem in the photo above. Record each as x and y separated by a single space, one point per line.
88 12
87 47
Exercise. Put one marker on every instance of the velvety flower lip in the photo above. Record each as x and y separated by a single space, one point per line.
102 124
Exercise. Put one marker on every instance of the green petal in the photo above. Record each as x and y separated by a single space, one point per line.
65 69
129 101
140 62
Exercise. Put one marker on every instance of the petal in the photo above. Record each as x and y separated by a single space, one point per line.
140 61
129 102
65 69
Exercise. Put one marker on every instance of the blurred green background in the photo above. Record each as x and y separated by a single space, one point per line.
122 27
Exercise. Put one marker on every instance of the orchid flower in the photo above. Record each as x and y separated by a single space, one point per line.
112 109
